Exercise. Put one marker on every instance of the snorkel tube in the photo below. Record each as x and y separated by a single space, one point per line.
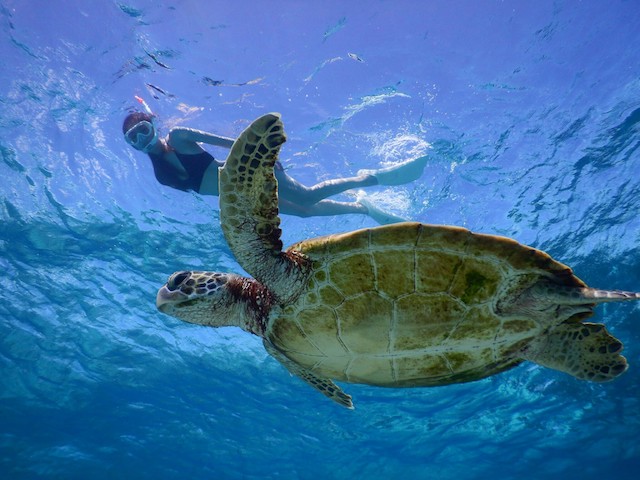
147 109
144 105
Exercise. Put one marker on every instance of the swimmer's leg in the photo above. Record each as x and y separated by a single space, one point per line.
396 175
322 208
293 191
325 208
380 216
400 174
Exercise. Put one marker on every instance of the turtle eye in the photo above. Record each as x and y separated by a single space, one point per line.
176 280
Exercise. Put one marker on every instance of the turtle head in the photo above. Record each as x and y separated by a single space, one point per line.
194 296
215 299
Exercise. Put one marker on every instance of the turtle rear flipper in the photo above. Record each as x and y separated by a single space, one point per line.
585 350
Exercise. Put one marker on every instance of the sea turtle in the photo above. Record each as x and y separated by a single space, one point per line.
402 305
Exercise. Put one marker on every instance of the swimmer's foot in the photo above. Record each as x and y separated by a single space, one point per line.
382 217
400 174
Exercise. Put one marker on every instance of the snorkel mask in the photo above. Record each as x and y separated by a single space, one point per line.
143 135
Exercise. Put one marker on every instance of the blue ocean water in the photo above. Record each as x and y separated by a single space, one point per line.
530 112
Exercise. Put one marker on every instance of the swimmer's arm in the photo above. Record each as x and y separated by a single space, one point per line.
185 139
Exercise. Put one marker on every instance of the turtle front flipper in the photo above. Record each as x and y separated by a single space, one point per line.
323 385
249 209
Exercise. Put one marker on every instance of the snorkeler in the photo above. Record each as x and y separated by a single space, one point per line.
180 162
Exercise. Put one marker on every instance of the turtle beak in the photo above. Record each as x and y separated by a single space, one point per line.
166 297
171 293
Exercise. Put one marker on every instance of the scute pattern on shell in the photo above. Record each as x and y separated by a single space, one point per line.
412 305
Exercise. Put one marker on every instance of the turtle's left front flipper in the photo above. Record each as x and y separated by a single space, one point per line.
323 385
249 209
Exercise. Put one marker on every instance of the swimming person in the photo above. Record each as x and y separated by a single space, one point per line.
180 162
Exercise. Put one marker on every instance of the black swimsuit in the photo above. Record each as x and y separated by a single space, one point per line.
195 166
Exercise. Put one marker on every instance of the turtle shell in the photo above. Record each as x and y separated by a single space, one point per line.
412 305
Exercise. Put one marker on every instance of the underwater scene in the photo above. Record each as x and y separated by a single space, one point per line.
509 118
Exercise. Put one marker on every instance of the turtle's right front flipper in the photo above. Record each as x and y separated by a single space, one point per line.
323 385
249 209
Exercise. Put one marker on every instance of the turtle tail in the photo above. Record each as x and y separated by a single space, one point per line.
603 296
580 295
565 301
